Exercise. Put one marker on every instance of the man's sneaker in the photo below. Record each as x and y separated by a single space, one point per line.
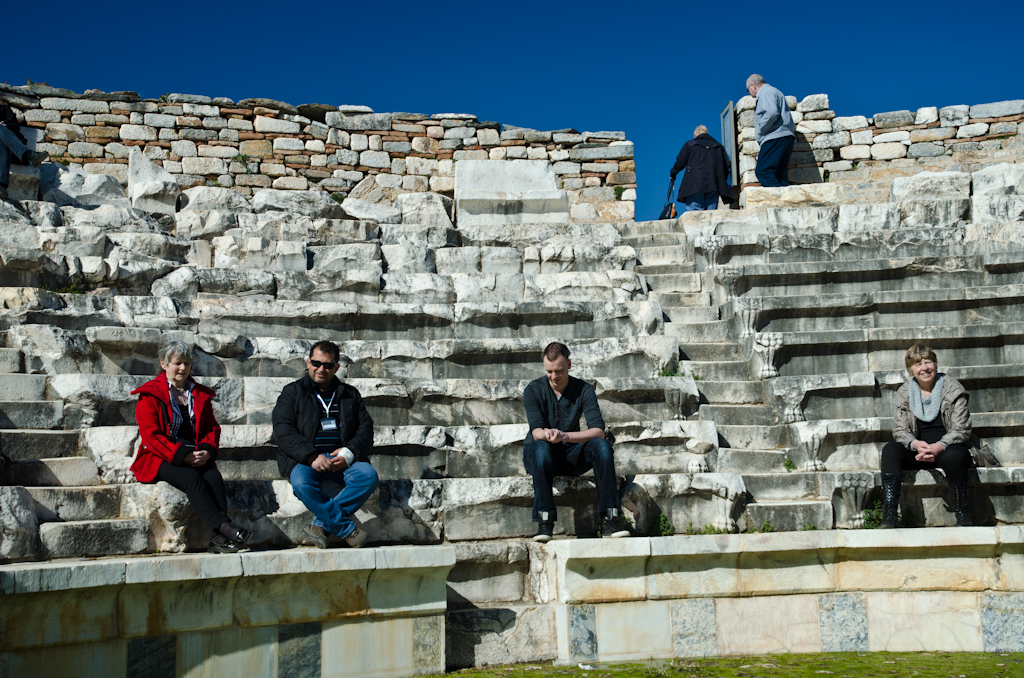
220 544
37 158
4 195
611 528
317 534
545 530
356 538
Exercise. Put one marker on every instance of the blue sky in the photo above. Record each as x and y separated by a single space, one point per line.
654 70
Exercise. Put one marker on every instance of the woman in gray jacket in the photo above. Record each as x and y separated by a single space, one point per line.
932 429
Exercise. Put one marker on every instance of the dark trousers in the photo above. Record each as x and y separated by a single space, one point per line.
773 162
11 150
544 461
204 488
954 461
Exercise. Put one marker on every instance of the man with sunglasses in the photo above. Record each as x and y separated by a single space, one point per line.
774 131
323 432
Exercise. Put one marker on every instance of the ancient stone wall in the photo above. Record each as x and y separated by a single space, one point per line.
864 154
262 143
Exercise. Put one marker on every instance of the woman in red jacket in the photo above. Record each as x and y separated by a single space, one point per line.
180 438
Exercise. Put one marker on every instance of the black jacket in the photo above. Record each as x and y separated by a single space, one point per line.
706 165
10 121
297 417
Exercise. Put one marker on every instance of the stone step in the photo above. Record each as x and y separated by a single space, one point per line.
654 240
662 255
642 228
725 351
769 487
739 415
94 538
41 414
716 370
70 472
738 460
732 392
678 299
11 361
691 314
790 516
27 444
699 333
665 269
674 282
753 437
14 387
58 504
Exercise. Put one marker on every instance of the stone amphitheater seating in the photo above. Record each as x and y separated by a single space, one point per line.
745 360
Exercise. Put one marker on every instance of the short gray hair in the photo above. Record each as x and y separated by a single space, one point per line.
701 129
754 79
175 348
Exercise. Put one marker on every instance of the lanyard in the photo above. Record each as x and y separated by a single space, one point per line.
327 405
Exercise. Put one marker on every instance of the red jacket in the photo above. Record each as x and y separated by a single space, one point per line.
152 414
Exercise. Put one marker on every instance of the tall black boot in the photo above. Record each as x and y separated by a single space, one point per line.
891 483
963 512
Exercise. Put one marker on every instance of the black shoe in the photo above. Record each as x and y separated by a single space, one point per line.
37 158
238 535
611 528
891 484
545 530
318 534
220 544
963 511
4 195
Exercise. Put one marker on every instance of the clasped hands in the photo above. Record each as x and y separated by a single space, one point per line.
553 435
926 452
336 462
197 458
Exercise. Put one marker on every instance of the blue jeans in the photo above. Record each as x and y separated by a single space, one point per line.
773 162
700 201
11 147
358 482
544 461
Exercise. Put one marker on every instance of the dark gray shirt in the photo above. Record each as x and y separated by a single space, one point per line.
545 410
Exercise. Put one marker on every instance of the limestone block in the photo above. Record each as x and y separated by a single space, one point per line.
880 217
832 140
214 198
863 137
813 102
474 287
925 150
104 400
857 152
935 621
997 110
506 635
888 151
987 209
112 448
975 130
889 137
931 186
19 530
150 187
808 195
343 257
768 624
75 188
1000 179
954 116
200 224
266 125
508 191
428 209
926 115
371 211
584 286
815 127
934 213
51 350
313 204
181 284
893 119
683 498
422 287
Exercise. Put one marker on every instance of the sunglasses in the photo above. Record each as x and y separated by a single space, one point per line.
317 363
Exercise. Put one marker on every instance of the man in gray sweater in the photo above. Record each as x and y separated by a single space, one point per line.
774 131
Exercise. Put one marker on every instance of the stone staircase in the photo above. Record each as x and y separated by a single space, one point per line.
744 360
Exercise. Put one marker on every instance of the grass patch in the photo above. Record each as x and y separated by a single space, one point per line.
855 665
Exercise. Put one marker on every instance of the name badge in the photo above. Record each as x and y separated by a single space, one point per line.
328 424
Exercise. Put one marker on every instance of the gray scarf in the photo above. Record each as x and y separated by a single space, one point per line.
926 409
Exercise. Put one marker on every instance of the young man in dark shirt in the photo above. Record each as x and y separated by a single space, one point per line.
555 445
323 432
13 148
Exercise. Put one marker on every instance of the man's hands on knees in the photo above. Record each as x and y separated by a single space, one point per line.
335 462
553 435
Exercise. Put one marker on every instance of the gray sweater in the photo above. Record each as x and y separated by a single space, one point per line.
772 119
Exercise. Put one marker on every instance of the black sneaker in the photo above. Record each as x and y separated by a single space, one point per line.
4 195
545 530
611 528
220 544
236 534
317 534
37 158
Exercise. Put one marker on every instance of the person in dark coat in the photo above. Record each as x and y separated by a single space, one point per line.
13 148
707 165
180 439
323 432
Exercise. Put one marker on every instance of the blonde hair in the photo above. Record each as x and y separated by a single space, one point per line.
919 352
701 129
